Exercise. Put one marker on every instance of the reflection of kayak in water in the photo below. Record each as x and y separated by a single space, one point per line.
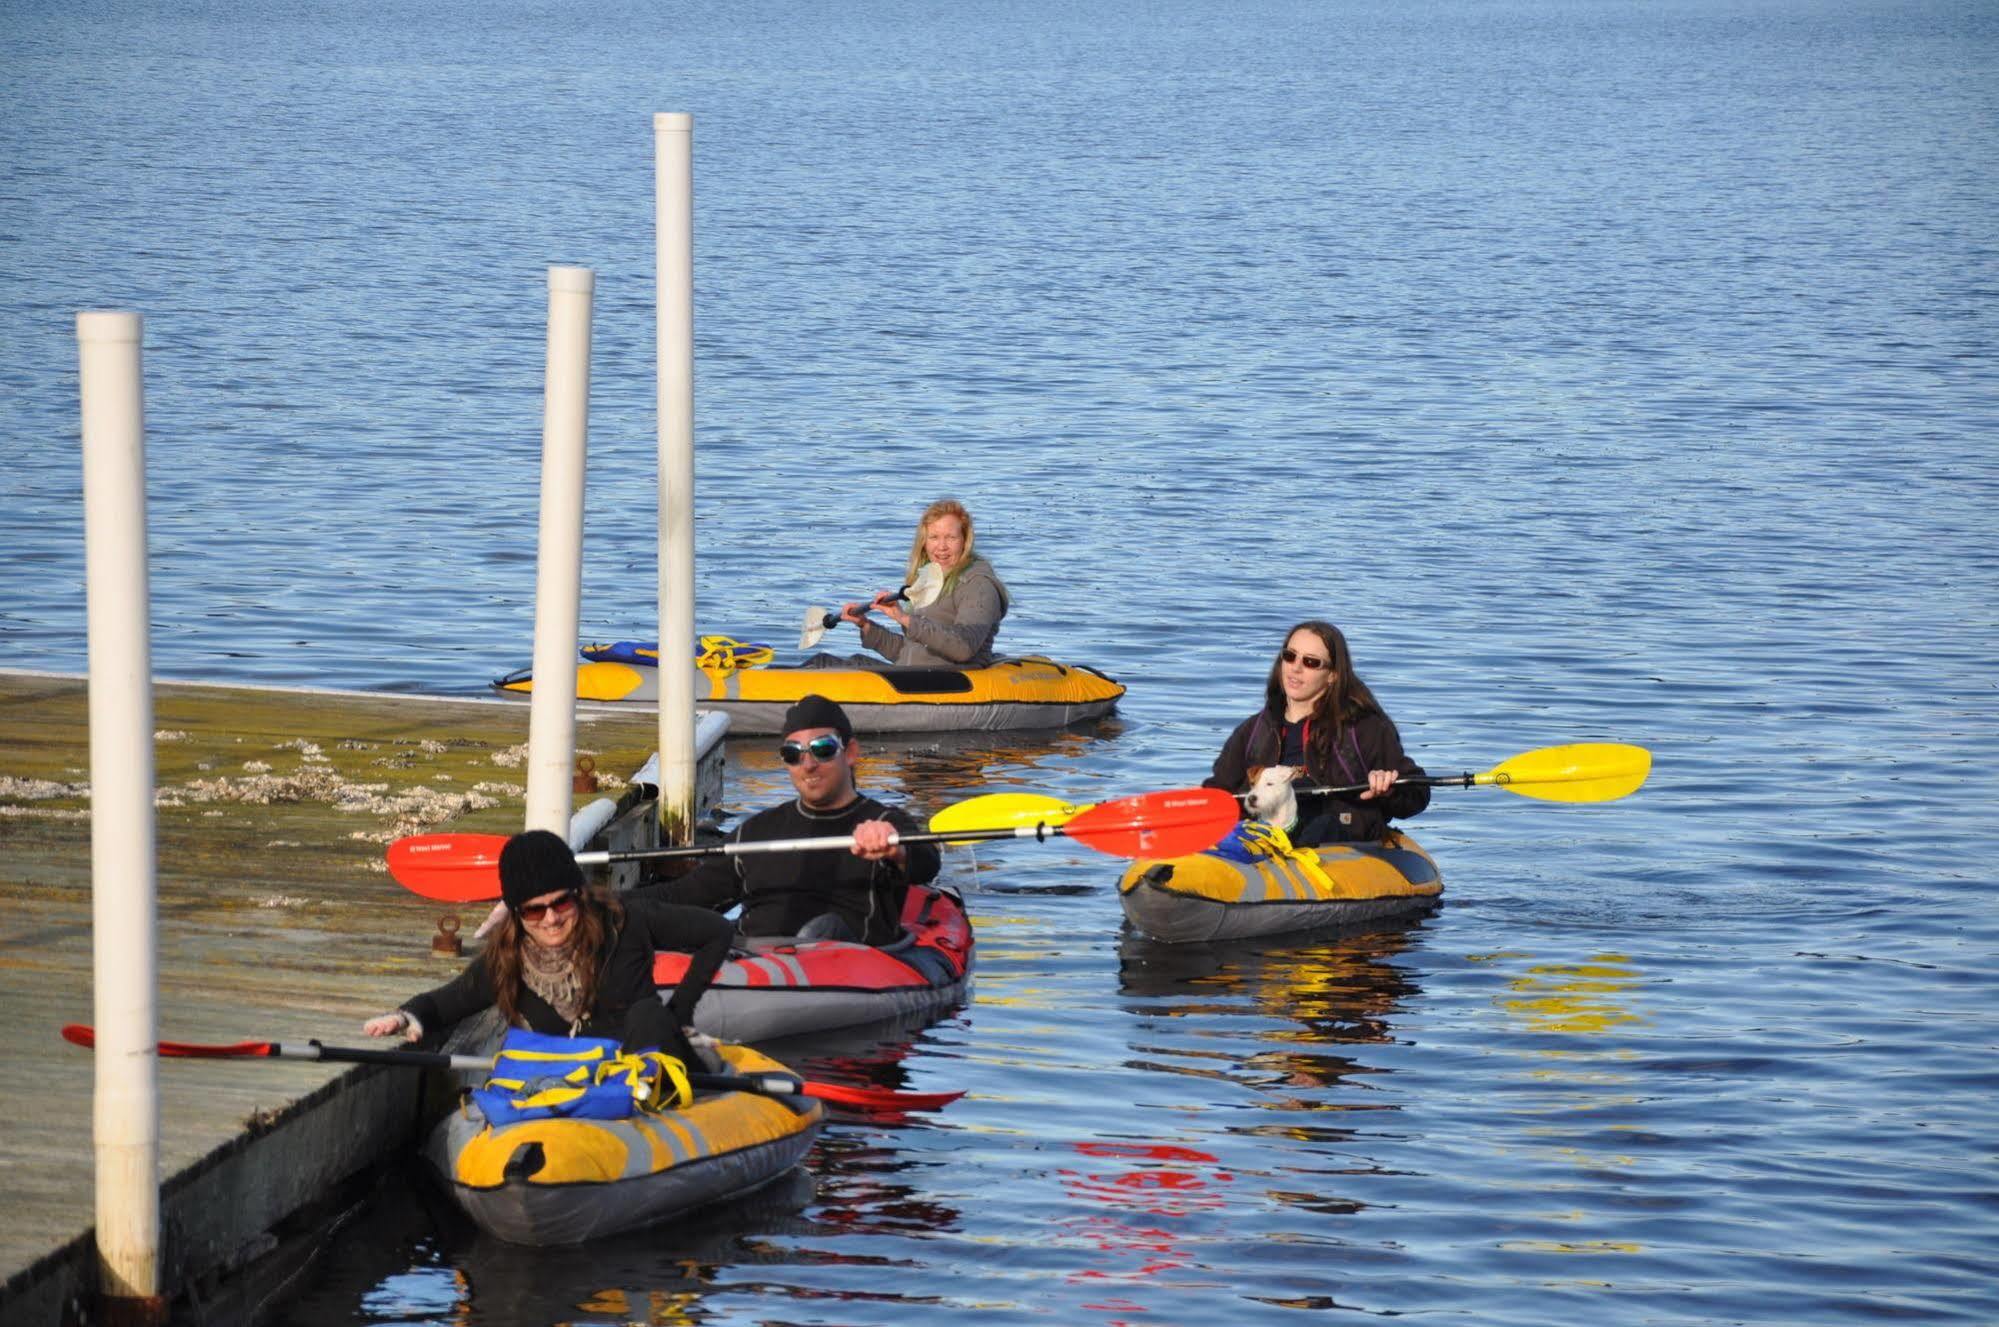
1031 692
786 987
1255 883
564 1181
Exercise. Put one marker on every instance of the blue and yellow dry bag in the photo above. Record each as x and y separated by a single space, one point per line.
540 1077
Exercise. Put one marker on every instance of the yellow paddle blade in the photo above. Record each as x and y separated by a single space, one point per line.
1004 811
1580 772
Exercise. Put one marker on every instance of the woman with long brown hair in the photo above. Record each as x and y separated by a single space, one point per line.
1320 718
569 959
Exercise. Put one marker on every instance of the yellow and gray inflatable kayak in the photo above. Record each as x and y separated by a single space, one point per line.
564 1181
1254 882
1031 692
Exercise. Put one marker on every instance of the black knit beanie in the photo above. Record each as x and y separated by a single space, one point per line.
537 863
818 712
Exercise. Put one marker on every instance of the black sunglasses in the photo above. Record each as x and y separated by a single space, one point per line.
823 748
534 912
1312 663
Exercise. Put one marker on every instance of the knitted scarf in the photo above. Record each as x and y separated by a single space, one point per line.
551 974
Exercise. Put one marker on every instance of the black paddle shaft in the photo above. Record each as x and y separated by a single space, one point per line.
1427 781
832 620
769 1085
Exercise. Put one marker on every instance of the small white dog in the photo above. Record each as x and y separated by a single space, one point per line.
1270 797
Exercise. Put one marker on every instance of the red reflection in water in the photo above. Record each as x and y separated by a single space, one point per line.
1168 1192
1155 1190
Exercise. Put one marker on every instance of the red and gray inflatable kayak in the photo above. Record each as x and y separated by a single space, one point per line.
782 987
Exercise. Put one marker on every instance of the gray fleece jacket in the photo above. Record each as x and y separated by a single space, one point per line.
954 632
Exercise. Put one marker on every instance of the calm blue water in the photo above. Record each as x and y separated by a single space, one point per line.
1610 372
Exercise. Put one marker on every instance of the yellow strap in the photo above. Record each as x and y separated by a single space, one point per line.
586 1055
726 654
1264 837
551 1097
658 1081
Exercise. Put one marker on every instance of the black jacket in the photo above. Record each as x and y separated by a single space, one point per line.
626 977
781 892
1369 743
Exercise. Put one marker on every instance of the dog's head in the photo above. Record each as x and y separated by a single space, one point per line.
1270 798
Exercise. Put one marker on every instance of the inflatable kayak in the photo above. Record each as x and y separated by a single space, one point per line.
1254 882
565 1181
1030 692
785 987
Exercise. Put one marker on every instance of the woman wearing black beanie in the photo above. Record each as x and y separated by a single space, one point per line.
573 959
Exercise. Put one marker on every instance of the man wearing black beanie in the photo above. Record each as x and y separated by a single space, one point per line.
819 895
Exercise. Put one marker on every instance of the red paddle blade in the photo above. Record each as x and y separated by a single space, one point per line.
452 868
880 1098
1164 824
77 1034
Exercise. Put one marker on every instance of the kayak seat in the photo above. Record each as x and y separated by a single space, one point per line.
935 968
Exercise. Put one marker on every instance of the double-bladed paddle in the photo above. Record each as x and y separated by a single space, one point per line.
766 1084
1579 772
465 868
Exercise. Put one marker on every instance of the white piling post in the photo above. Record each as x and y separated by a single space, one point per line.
558 591
124 909
673 185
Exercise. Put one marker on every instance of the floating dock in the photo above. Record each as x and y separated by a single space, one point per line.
277 922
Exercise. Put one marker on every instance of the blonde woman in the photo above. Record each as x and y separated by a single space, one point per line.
955 599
